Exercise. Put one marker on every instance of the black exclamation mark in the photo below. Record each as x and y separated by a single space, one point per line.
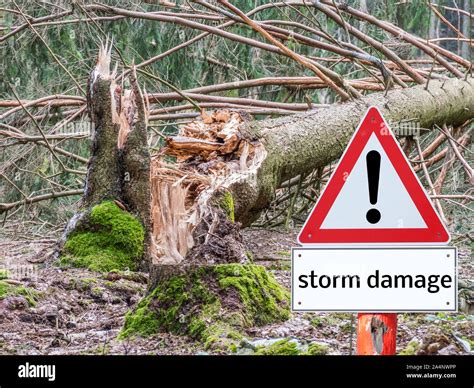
373 174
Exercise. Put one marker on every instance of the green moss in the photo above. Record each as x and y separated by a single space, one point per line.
334 319
12 290
284 347
123 287
220 336
226 203
289 347
82 284
410 349
315 349
346 327
317 322
250 256
212 304
160 309
96 291
233 348
127 275
112 239
4 289
142 321
3 274
341 315
87 281
469 341
263 298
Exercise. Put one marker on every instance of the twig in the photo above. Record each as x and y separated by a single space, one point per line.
48 48
431 72
51 149
469 170
367 39
14 185
298 58
417 42
8 206
171 86
444 20
54 100
428 179
453 196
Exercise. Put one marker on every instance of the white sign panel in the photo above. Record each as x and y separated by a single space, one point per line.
396 279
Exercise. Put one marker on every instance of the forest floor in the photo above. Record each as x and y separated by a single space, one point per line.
77 311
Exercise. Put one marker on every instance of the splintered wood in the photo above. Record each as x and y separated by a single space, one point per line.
123 106
211 154
172 197
215 135
126 116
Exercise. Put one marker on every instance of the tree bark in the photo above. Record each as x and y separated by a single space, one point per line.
135 163
103 169
298 144
119 167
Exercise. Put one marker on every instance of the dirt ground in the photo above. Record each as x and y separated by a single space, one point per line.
77 311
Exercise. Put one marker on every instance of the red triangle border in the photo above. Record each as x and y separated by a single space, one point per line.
435 233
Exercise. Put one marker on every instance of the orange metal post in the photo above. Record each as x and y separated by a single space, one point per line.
376 334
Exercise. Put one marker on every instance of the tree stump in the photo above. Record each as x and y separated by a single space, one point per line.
112 228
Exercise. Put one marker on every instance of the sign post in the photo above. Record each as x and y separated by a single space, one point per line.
374 243
376 334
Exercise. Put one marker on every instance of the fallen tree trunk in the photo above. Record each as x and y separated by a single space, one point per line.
226 155
298 144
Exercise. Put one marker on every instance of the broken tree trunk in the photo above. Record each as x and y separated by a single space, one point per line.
298 144
112 228
227 169
227 163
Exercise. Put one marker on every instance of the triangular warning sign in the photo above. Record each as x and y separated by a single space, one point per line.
373 196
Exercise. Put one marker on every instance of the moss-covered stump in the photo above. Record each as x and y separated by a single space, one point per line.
106 238
213 304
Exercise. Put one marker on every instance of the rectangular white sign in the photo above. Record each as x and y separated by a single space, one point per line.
395 279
